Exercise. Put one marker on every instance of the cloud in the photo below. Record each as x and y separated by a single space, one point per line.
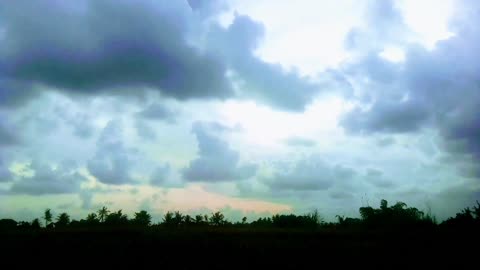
310 173
300 142
160 175
384 25
113 160
164 176
216 160
433 88
5 173
47 180
260 80
172 47
159 111
340 195
86 196
387 117
14 93
384 142
145 131
146 46
7 133
375 177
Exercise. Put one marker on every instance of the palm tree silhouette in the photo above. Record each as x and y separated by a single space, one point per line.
63 220
142 218
48 217
103 213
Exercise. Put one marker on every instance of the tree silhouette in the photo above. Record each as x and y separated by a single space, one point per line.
199 220
63 220
35 224
244 220
178 218
463 219
103 213
397 216
476 211
7 224
116 219
217 219
188 220
47 215
92 219
168 219
394 216
142 218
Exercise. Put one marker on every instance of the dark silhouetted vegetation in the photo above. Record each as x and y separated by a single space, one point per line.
395 232
396 216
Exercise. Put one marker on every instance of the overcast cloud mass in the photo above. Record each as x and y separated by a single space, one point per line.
238 105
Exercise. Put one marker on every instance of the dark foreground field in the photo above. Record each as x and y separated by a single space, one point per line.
240 248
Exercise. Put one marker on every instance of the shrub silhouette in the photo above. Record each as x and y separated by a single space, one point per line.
7 224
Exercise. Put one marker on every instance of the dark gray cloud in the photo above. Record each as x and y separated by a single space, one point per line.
216 161
14 93
299 141
386 117
5 173
7 132
310 173
263 81
109 46
437 88
105 45
159 111
46 180
113 160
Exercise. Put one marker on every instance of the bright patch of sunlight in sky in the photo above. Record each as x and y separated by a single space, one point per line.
393 54
428 19
264 126
310 34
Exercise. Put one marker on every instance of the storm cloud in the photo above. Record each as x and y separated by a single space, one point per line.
100 46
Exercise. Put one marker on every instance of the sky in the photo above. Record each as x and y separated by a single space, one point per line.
249 107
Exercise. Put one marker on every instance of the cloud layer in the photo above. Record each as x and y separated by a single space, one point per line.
105 99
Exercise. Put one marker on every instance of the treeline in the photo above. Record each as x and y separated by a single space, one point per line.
398 215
